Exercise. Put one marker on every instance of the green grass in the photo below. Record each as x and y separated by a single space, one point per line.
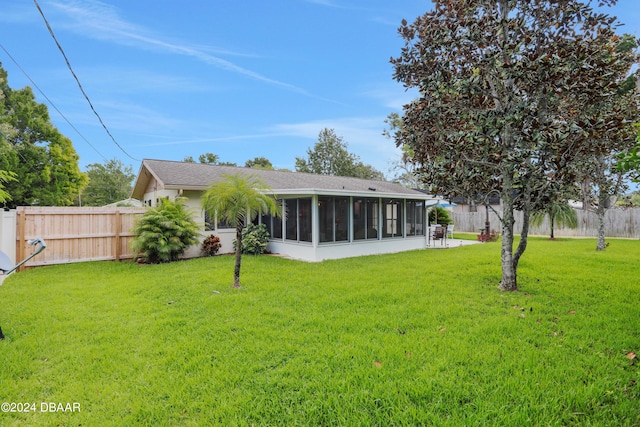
418 338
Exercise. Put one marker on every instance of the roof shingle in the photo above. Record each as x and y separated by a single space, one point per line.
196 176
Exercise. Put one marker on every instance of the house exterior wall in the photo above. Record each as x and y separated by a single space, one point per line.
152 198
314 251
462 204
192 201
226 236
327 251
308 251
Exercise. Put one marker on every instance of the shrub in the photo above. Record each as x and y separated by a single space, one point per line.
210 245
491 237
254 239
163 233
442 217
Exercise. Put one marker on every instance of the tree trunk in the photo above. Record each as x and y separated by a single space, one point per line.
551 221
602 200
524 236
236 271
509 265
509 279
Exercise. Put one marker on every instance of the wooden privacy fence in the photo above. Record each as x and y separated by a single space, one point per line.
619 222
75 234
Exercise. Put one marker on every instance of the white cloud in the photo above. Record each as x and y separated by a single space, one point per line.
95 19
222 139
15 12
127 80
327 3
127 117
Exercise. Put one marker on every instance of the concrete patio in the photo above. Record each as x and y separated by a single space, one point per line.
450 243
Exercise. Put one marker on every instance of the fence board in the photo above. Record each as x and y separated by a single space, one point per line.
75 234
619 222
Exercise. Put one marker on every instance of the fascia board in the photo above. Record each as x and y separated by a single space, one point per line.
325 192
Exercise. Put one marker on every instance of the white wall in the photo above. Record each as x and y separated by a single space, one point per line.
227 236
305 251
8 234
325 251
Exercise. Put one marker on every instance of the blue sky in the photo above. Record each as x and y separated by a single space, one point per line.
240 79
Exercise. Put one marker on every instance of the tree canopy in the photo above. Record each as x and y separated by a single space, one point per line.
5 177
330 156
108 183
208 159
630 162
607 123
259 163
43 160
503 84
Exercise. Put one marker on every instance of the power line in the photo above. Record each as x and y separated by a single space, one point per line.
18 153
51 102
78 81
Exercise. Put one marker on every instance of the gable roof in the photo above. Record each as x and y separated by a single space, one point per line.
197 176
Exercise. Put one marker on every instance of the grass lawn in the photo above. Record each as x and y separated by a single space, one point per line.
418 338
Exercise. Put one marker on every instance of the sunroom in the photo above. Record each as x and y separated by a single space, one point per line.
324 217
329 226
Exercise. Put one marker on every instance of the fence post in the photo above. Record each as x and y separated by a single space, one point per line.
118 230
21 242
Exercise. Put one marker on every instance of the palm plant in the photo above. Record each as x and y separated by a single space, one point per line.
559 213
237 200
164 232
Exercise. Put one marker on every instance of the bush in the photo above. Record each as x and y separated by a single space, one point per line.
210 245
163 233
443 217
492 237
254 239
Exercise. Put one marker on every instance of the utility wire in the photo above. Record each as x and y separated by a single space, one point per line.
19 154
51 102
78 81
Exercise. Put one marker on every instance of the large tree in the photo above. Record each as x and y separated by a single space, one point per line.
237 200
5 177
607 128
5 131
493 115
108 183
43 160
330 156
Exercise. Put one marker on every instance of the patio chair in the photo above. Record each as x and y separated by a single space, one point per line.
450 231
439 233
432 232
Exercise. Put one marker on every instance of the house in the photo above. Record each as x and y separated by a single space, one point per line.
130 202
467 204
325 217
